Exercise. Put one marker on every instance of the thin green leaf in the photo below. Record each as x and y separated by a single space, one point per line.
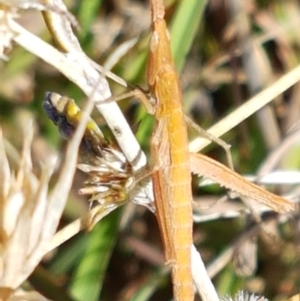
88 279
87 13
184 28
69 256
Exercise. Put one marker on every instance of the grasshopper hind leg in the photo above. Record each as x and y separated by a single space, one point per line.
213 138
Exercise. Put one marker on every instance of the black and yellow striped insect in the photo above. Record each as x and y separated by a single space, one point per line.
110 176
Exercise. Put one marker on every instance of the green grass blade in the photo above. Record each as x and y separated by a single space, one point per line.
87 13
88 279
184 28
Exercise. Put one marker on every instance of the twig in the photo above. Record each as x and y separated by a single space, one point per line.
247 109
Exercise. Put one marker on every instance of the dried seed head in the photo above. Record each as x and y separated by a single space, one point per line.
6 34
24 209
244 296
107 183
